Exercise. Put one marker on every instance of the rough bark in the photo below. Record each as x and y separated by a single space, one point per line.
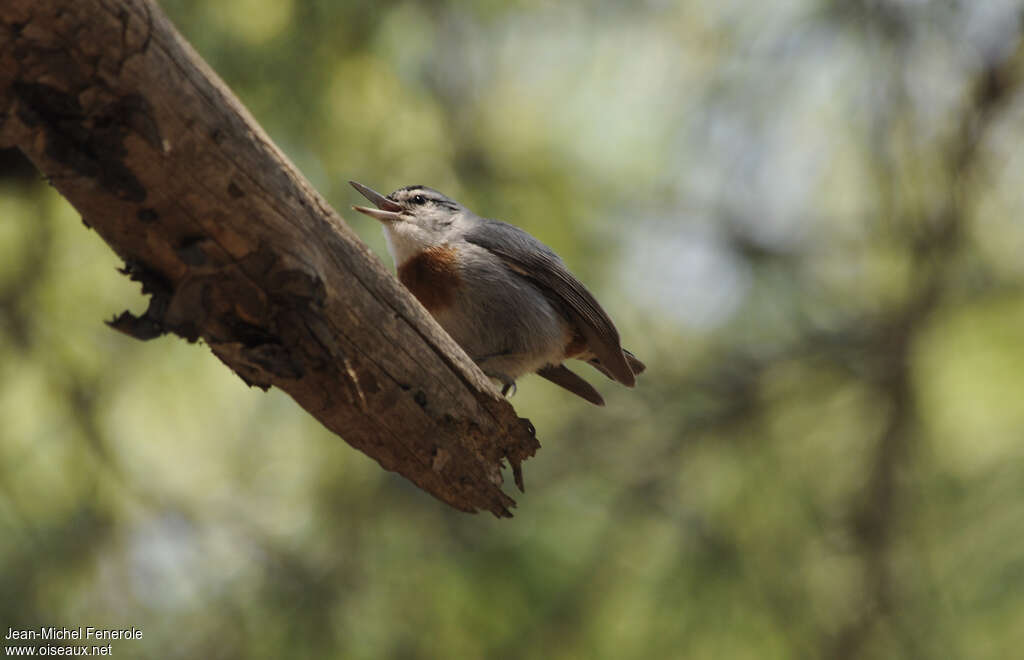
237 249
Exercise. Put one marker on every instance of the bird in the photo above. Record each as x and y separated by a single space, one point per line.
507 299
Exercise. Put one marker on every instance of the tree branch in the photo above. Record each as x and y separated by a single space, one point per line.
235 247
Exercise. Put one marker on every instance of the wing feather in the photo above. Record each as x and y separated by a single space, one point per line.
535 261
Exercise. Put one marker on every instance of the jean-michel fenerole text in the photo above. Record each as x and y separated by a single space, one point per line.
87 633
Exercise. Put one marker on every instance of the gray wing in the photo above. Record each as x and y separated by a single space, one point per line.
535 261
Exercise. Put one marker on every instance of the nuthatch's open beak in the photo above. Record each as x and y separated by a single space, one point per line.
386 211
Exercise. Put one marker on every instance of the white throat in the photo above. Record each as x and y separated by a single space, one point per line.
402 243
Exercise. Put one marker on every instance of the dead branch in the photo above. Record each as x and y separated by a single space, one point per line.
235 247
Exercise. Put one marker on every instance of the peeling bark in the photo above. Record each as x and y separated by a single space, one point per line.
234 246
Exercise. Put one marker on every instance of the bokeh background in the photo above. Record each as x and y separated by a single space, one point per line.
804 215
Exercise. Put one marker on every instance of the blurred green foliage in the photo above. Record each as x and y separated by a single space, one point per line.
805 216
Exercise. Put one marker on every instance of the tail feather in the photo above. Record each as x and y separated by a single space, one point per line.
561 375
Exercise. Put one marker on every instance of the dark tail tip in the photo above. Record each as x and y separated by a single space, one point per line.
561 375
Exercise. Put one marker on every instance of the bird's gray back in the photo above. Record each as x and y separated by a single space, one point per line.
539 264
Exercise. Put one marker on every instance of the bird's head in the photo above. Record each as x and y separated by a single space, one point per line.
414 217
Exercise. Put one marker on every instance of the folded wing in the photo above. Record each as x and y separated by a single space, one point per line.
536 262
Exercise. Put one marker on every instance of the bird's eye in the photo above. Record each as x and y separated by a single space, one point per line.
419 199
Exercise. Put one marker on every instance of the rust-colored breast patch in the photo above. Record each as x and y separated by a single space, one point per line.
432 276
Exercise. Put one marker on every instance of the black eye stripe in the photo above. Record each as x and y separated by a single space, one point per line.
420 196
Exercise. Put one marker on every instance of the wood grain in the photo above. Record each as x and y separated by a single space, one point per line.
235 247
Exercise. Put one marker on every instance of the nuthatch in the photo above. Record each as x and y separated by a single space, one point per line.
504 296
